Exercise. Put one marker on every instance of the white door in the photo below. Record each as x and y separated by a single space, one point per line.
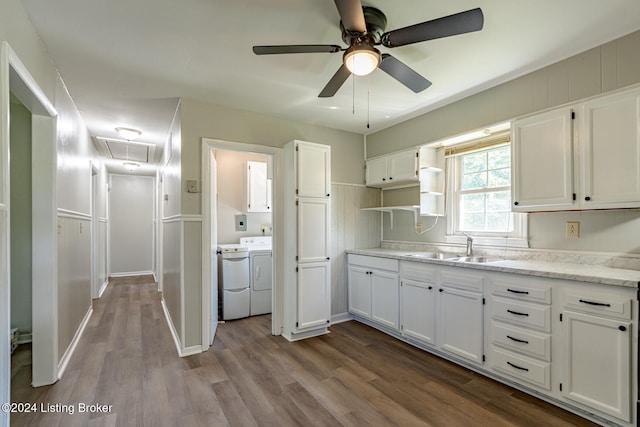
385 298
313 230
461 331
542 162
313 170
213 259
314 295
591 341
359 281
418 310
403 166
610 147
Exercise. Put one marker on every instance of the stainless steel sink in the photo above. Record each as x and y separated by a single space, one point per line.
477 259
429 255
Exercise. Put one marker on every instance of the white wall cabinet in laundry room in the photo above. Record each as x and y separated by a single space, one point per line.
257 187
307 218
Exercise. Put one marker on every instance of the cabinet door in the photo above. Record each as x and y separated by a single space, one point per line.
258 191
359 291
403 166
314 295
460 321
313 171
597 363
542 162
610 151
418 310
384 298
376 171
313 230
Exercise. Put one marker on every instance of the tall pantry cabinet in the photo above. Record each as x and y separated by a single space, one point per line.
307 219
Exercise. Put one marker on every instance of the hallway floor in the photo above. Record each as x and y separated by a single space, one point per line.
355 376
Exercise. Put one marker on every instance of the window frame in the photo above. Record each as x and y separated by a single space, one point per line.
516 238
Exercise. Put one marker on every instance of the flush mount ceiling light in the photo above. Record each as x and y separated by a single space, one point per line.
131 166
128 133
362 59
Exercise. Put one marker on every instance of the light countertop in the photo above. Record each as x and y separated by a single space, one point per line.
557 270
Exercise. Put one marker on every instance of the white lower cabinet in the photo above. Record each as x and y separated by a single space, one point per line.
599 355
418 292
461 315
574 342
374 289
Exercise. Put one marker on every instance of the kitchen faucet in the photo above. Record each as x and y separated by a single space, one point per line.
469 244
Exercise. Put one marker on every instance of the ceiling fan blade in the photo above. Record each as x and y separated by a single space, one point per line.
459 23
335 83
296 48
402 73
351 15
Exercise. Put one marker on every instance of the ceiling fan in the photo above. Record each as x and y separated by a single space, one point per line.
363 28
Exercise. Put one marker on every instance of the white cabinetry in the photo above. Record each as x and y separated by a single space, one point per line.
598 336
520 328
461 314
257 187
394 169
307 215
542 161
610 151
431 178
374 289
418 296
604 147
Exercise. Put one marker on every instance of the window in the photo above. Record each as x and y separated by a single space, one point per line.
479 196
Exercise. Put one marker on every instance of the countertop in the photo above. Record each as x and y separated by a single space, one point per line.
557 270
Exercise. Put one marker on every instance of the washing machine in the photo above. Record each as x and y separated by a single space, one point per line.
261 273
234 282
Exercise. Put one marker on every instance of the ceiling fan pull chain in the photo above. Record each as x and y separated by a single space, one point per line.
353 94
368 99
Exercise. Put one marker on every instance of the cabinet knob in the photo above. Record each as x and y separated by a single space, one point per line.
587 198
516 203
622 328
430 287
441 290
390 178
384 179
328 194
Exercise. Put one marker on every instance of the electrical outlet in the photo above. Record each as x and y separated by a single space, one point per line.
573 229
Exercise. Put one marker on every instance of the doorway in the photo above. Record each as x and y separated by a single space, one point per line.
17 81
211 232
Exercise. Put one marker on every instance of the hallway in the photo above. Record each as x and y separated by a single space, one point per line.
356 376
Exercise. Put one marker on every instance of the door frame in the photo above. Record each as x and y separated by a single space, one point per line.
15 77
209 283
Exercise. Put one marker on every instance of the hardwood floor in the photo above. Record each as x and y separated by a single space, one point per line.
355 376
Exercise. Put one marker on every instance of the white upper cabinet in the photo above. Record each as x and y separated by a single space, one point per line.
257 187
311 159
610 151
542 161
592 162
396 169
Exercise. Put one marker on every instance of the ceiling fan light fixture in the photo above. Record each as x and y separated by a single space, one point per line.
131 166
128 133
362 59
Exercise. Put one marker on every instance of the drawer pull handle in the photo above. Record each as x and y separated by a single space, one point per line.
517 367
600 304
517 340
515 291
517 313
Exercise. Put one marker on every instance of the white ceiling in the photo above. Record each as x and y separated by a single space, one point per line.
126 62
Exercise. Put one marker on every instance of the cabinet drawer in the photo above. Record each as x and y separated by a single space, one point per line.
521 289
418 271
522 367
521 340
373 262
600 303
452 278
522 313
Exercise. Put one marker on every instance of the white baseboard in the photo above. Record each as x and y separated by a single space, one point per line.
182 352
132 273
103 288
64 361
339 318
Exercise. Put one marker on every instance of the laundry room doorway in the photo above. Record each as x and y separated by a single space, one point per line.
240 196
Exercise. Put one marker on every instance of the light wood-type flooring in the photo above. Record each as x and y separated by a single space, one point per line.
354 376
